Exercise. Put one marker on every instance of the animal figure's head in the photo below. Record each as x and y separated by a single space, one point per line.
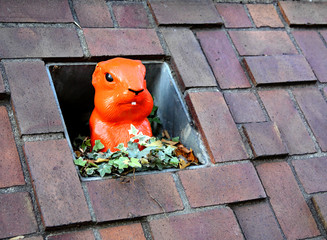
120 91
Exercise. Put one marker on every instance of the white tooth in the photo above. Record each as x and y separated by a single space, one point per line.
133 103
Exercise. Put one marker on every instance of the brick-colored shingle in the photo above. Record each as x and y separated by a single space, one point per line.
223 60
11 173
84 235
244 107
39 42
279 69
92 13
320 203
234 15
56 184
292 212
257 221
39 11
32 97
314 108
131 15
16 214
314 51
304 13
208 224
184 12
264 15
223 184
212 117
122 42
130 231
265 139
262 42
312 174
188 59
282 111
136 198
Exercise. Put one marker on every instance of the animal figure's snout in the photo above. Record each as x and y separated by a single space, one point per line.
135 91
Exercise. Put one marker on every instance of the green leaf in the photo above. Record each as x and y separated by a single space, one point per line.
93 164
161 155
80 162
107 154
135 163
133 130
159 166
169 150
144 161
90 171
142 139
85 144
174 161
97 146
154 110
132 149
175 139
167 159
155 119
117 154
121 147
121 163
104 168
146 152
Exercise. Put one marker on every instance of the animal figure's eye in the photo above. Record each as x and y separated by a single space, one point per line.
109 77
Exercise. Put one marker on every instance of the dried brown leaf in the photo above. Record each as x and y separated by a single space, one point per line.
172 143
182 164
101 160
165 134
78 154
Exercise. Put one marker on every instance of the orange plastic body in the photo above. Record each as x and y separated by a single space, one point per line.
120 102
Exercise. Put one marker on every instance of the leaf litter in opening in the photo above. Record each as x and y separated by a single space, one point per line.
142 153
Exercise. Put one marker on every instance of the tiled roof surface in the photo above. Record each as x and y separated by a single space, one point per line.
254 78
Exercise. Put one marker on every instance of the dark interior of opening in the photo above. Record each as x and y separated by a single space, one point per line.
75 94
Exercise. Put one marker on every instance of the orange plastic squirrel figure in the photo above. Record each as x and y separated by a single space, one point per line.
121 99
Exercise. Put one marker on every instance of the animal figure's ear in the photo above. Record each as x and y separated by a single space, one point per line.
142 68
96 77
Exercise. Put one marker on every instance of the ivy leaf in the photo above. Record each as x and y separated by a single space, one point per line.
90 171
133 149
142 139
104 168
161 155
101 160
145 152
97 146
155 119
133 130
156 144
80 162
107 154
160 166
144 161
174 161
169 150
117 154
85 144
121 147
154 110
134 163
121 163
